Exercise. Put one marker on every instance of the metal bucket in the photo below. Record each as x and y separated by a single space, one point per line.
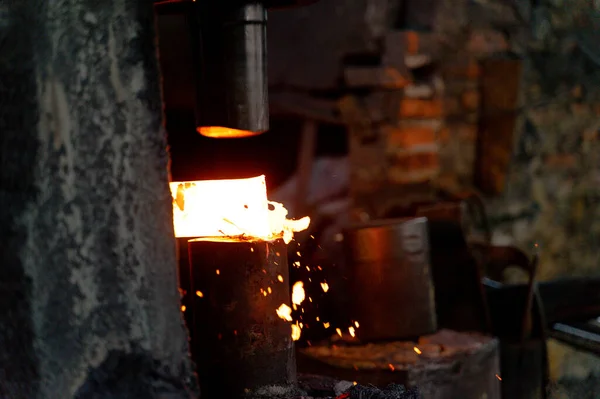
390 283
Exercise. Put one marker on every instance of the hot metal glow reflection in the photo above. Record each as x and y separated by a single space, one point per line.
231 208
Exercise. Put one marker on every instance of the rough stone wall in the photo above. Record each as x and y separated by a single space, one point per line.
551 189
89 306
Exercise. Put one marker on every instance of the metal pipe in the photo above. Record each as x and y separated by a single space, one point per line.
239 342
230 45
391 287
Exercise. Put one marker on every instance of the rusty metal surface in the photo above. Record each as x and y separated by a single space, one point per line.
390 279
238 340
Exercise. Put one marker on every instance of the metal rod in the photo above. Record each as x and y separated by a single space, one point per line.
230 44
239 342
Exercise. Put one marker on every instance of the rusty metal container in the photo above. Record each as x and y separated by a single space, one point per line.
238 341
390 281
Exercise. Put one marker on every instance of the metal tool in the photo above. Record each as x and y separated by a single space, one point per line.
229 48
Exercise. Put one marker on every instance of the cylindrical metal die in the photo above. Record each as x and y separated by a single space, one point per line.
232 91
390 280
239 342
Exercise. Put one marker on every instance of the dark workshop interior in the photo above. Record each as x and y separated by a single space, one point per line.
300 199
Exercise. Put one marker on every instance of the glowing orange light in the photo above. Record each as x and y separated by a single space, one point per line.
199 294
231 209
391 366
298 294
325 287
417 350
220 132
284 312
296 331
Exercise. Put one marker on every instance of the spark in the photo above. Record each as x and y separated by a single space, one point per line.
417 350
338 331
325 287
298 294
352 331
218 272
183 308
199 294
296 332
326 325
280 278
284 312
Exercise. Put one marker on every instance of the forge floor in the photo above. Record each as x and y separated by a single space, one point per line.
447 364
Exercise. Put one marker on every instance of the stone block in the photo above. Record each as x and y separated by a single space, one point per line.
420 91
415 161
421 109
408 135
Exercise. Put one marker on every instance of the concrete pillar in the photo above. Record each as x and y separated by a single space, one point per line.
89 305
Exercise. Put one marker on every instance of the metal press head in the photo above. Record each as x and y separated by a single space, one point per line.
230 45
